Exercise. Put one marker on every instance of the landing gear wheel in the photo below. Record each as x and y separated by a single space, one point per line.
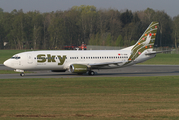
22 74
91 73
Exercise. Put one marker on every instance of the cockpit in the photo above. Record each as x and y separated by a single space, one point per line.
15 57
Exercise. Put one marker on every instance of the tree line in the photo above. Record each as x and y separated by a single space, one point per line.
105 27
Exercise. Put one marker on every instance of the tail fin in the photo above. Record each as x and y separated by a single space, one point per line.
145 42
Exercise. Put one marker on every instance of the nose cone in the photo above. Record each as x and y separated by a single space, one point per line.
7 63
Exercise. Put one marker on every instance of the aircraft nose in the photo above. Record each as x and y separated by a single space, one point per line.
6 63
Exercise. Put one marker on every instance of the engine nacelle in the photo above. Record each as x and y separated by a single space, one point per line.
78 68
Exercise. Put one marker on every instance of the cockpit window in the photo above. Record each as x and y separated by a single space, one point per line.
15 57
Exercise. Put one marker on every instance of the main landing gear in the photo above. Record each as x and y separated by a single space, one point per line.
22 74
91 73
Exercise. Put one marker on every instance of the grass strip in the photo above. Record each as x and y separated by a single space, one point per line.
90 98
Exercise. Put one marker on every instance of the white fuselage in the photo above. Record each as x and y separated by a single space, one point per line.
61 60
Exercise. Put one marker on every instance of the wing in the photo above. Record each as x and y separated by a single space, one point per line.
105 64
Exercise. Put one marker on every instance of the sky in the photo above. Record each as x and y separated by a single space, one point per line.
168 6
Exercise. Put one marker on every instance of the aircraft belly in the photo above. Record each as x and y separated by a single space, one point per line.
106 67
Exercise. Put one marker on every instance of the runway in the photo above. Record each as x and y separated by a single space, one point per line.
135 70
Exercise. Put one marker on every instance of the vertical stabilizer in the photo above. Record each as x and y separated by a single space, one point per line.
146 41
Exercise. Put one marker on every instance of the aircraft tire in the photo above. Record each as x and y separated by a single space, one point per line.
91 73
22 74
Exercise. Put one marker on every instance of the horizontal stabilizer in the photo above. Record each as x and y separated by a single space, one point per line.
155 52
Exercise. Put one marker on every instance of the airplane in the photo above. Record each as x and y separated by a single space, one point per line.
85 61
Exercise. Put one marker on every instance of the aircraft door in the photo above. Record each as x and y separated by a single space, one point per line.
29 58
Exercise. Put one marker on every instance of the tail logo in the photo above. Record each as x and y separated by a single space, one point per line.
147 41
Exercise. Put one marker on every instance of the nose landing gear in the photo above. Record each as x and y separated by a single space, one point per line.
22 74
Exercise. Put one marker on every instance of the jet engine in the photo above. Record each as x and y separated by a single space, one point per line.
78 68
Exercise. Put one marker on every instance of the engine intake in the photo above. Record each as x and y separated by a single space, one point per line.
78 68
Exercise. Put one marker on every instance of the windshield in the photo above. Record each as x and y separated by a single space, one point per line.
15 57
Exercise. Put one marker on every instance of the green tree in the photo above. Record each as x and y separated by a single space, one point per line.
176 31
126 17
73 30
109 40
119 41
46 23
1 29
92 40
57 31
1 10
37 30
87 20
17 31
83 24
165 28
